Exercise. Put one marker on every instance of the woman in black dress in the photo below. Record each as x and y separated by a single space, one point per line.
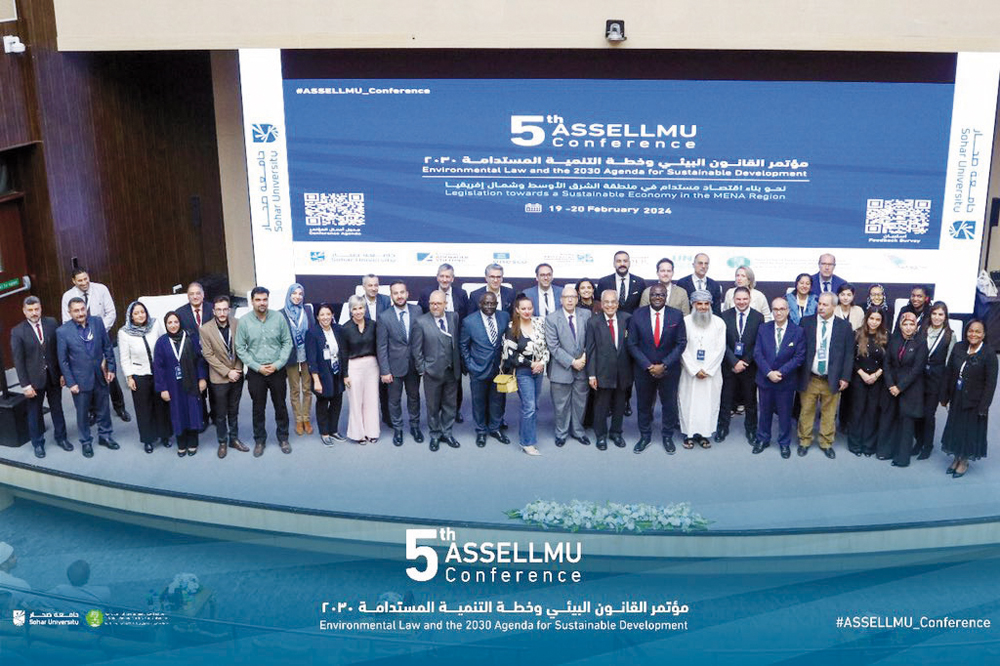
866 383
905 358
939 345
968 391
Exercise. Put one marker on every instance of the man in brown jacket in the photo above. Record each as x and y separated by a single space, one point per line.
225 374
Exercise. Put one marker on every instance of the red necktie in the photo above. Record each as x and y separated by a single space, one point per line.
197 316
38 327
611 327
656 330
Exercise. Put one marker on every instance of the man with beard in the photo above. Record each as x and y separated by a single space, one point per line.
700 388
628 287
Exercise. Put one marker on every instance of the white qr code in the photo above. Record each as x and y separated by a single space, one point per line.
897 217
345 209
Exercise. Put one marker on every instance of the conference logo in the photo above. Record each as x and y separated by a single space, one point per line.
18 618
501 256
264 133
425 256
317 256
736 262
963 229
94 618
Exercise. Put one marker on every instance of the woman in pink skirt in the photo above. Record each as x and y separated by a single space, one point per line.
362 374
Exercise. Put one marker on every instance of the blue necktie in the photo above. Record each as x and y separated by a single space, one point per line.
402 322
572 328
441 324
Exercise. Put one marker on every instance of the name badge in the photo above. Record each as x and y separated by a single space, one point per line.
326 354
739 349
821 354
178 375
959 384
701 354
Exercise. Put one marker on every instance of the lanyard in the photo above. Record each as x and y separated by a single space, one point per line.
178 350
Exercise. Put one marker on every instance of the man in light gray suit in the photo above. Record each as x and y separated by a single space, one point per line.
434 345
393 333
564 336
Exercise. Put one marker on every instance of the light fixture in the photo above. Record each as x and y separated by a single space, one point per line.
13 44
614 30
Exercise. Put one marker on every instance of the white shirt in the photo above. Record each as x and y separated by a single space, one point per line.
449 304
652 318
372 307
618 284
486 324
331 343
819 341
779 334
99 303
607 325
406 318
544 309
746 313
439 321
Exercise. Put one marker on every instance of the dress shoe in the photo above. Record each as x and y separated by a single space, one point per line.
285 446
531 450
959 475
148 447
165 442
124 415
258 449
628 409
481 439
88 450
459 418
786 452
751 436
64 444
238 445
720 435
222 449
950 470
500 437
451 441
397 437
192 450
337 437
504 426
896 464
560 441
110 443
181 452
760 446
829 453
641 445
434 444
602 444
618 440
802 450
881 457
300 428
40 451
308 426
583 439
924 454
418 436
668 445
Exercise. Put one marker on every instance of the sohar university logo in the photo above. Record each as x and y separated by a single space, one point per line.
264 133
963 229
18 618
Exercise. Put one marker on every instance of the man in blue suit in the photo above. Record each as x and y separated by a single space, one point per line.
656 339
825 372
779 353
544 295
494 285
456 298
83 346
480 345
824 281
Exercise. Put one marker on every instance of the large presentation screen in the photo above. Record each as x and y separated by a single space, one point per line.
396 175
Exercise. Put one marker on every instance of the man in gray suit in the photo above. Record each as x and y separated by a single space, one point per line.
544 295
434 344
393 333
565 333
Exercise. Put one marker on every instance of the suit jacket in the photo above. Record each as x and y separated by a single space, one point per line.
786 360
839 362
753 321
711 285
213 349
979 379
81 367
392 343
564 348
506 295
459 300
186 314
435 353
481 357
678 298
633 294
835 283
315 346
533 294
37 365
610 365
673 340
906 373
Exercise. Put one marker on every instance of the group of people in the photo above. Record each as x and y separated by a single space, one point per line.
705 354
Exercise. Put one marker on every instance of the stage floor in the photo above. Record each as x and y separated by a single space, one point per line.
726 484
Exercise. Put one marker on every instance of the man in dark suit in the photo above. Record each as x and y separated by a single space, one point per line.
437 360
738 368
393 336
480 343
457 302
192 315
544 295
778 354
656 340
87 362
36 360
825 372
700 280
824 281
609 369
628 287
494 285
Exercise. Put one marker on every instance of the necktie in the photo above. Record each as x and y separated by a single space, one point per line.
449 306
611 327
826 287
493 330
41 340
621 292
741 325
701 285
656 330
441 324
197 316
402 322
547 306
822 362
780 332
572 328
86 299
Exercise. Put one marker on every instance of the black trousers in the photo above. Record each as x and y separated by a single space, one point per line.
925 425
187 440
328 413
739 389
151 413
896 433
647 388
609 401
226 401
36 425
866 403
117 397
275 384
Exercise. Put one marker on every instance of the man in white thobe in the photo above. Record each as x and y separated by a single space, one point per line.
700 390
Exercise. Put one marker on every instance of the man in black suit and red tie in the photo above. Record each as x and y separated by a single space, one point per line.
628 287
656 340
33 344
609 369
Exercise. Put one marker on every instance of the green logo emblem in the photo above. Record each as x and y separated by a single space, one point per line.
95 618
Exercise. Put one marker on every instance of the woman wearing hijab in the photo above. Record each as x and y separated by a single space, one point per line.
905 358
327 356
180 374
876 301
299 316
136 340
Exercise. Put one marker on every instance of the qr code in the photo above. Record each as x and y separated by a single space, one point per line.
335 209
897 216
